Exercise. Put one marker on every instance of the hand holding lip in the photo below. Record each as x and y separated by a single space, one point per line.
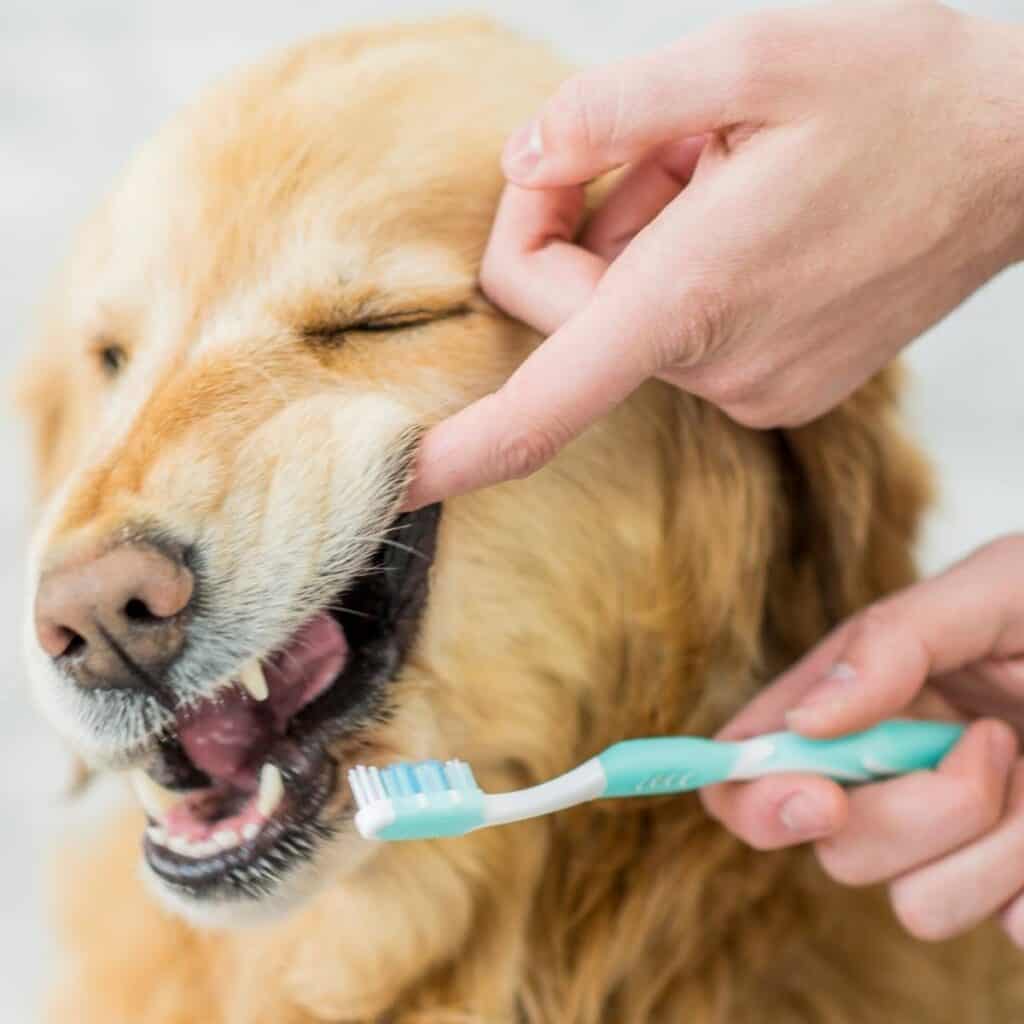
949 843
772 242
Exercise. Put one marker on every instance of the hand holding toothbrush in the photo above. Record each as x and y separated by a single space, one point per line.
949 843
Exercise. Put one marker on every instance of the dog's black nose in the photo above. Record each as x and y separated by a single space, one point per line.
115 620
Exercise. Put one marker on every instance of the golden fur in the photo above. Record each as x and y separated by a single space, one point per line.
647 582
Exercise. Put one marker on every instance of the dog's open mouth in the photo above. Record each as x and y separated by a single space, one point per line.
252 769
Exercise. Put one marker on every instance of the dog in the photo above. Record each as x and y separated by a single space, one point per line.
227 603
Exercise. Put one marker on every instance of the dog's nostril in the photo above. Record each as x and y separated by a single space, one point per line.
61 642
138 611
76 644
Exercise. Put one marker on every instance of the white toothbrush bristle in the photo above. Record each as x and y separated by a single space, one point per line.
355 784
366 785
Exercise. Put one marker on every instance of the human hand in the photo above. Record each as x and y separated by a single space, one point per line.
807 192
949 843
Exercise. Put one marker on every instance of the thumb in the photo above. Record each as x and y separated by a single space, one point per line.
614 114
882 657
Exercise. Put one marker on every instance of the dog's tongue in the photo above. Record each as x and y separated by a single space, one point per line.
228 736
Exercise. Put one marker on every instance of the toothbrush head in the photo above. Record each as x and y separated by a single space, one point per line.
423 800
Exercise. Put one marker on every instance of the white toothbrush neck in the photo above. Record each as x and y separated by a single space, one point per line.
586 782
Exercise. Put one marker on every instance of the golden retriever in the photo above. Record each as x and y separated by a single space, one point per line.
276 299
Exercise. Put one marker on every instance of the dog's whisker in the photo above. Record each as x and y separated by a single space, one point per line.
408 548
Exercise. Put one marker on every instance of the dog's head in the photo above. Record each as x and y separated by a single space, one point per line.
276 299
277 296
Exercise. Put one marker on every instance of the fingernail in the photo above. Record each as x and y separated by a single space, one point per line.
523 152
829 696
802 816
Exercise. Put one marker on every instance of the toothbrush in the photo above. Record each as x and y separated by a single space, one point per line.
430 800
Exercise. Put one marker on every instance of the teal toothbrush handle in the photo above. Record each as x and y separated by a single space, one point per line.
675 764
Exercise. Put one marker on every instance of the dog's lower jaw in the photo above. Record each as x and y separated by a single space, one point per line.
293 890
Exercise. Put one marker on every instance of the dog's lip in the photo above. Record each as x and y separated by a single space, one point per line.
260 846
310 782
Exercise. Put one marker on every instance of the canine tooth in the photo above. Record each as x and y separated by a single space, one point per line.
157 835
271 789
250 831
154 798
226 838
253 680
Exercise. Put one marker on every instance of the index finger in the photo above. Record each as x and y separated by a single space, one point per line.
532 269
971 612
611 115
581 372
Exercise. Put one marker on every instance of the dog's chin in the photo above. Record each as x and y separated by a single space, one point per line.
244 787
333 859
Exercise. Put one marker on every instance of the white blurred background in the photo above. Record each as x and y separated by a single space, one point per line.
82 83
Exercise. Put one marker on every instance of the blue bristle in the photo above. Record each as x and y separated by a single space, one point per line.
430 777
387 777
408 782
399 781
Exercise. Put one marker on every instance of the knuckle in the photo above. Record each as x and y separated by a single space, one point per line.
497 281
756 44
759 832
976 802
737 821
703 324
577 117
714 803
713 812
1013 925
876 623
839 866
523 454
491 276
922 917
757 415
729 384
763 844
751 392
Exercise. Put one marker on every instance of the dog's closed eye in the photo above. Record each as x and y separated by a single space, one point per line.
334 332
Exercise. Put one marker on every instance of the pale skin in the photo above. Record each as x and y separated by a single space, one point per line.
803 193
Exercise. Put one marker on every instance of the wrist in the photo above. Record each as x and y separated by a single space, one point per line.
1016 139
1004 53
1017 187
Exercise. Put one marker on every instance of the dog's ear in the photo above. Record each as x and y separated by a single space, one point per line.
856 488
41 394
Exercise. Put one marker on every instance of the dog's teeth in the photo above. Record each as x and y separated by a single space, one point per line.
154 798
250 831
226 839
157 835
271 790
253 680
180 846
